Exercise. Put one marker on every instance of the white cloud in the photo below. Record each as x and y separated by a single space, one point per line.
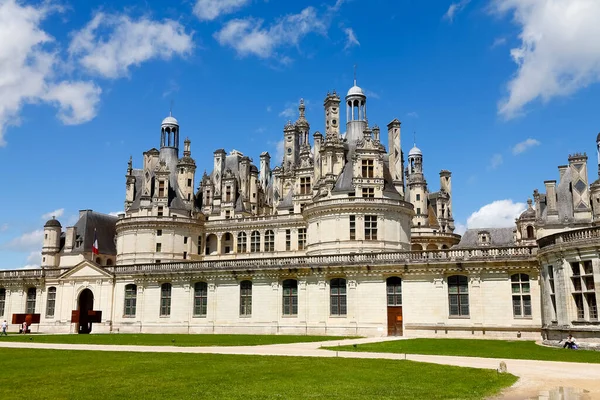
208 10
54 214
351 39
498 214
35 258
459 228
455 8
249 36
289 112
496 161
413 114
30 241
371 94
524 145
110 44
499 41
30 66
116 213
559 52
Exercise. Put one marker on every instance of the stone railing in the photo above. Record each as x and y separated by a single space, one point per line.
575 236
403 257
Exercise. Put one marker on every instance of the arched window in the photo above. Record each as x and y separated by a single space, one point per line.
337 296
242 246
165 300
246 298
50 302
109 262
31 295
521 297
255 242
458 295
269 241
98 261
130 300
211 244
530 233
200 299
2 300
290 297
394 291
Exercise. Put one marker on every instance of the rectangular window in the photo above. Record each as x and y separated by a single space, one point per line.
185 255
368 193
288 239
228 194
337 296
165 300
458 295
189 182
419 213
521 298
2 300
30 306
130 300
305 185
592 306
578 298
50 302
199 244
160 211
246 298
301 238
370 227
367 169
159 232
352 227
241 242
185 239
269 240
158 247
290 297
255 242
200 299
161 188
418 197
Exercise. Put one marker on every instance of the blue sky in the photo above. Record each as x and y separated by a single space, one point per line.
500 92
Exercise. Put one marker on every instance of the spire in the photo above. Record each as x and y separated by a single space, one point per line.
354 74
302 109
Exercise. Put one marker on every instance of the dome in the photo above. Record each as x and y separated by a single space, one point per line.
52 223
598 138
170 121
355 91
415 151
529 213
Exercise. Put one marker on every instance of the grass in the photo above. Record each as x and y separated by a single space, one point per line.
168 339
69 374
521 350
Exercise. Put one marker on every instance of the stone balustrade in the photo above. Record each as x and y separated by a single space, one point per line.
591 234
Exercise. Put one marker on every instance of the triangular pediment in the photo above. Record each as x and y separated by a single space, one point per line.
86 269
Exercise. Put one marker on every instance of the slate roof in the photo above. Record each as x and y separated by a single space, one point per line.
499 237
105 226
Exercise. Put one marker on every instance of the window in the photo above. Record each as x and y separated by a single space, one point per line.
51 302
590 298
301 238
337 296
418 211
161 188
530 234
165 300
368 192
200 299
242 247
269 241
552 295
521 297
185 255
185 239
189 182
199 244
394 291
246 298
370 227
290 297
255 242
228 194
353 227
130 300
305 185
458 295
288 239
2 300
158 247
418 197
31 295
160 211
367 168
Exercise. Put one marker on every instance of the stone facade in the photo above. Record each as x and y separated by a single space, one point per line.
341 238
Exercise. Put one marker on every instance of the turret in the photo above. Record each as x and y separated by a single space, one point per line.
186 170
265 169
291 147
417 186
51 243
356 113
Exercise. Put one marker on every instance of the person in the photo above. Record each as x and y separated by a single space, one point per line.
24 327
4 326
570 342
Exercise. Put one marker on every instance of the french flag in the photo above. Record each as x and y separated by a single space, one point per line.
95 245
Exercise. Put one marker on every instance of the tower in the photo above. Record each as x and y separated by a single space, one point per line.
417 186
332 116
291 147
51 243
595 188
169 133
356 113
186 169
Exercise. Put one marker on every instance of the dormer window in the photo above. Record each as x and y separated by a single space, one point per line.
483 238
367 169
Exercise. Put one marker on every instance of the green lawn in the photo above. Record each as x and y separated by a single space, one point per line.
523 350
168 339
70 374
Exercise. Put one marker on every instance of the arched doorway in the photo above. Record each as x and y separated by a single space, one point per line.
85 304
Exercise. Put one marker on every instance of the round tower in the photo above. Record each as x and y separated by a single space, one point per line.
186 172
356 113
51 243
417 186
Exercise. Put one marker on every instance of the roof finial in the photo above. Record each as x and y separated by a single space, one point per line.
171 109
415 138
354 74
